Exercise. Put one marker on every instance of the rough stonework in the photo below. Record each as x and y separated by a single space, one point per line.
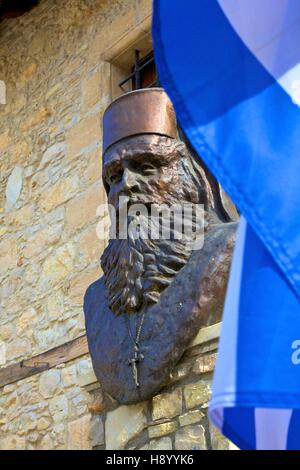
61 64
57 84
175 419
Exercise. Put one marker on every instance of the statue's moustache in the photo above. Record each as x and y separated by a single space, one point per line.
126 202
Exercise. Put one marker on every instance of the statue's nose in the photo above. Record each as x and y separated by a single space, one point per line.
129 181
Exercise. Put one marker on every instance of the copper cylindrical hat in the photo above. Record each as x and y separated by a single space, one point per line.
145 111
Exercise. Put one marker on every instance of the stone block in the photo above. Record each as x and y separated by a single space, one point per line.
5 141
32 437
190 438
143 9
93 171
57 266
58 407
180 371
69 376
8 389
43 423
191 417
26 322
164 443
88 380
196 394
28 422
55 306
2 353
3 231
19 348
28 396
97 431
206 334
8 255
79 434
123 22
13 187
46 443
58 193
205 363
78 402
89 246
59 435
83 209
79 284
218 441
52 152
162 429
91 90
36 118
123 424
84 367
50 383
48 338
167 405
29 71
19 152
21 217
13 443
82 135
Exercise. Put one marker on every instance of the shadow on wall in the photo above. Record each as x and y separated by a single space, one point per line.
14 8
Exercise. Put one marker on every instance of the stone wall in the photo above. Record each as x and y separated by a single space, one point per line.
60 64
176 418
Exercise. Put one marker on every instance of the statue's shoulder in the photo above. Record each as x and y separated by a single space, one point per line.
219 238
94 293
224 232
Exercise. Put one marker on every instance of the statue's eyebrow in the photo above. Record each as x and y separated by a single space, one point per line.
150 156
134 156
111 164
141 155
118 156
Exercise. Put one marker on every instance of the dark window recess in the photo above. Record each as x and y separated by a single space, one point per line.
143 73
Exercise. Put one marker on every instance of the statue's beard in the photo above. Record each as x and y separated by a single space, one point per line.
137 270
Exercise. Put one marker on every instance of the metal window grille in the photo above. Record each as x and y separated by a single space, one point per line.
140 68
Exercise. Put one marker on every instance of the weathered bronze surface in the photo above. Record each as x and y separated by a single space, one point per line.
137 113
155 293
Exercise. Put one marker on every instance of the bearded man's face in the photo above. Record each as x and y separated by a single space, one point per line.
147 169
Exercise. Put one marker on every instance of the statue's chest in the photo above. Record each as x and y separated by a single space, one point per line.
131 370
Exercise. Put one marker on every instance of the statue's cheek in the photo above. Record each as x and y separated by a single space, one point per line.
169 180
161 185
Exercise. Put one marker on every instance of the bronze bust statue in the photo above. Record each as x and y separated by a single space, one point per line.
156 292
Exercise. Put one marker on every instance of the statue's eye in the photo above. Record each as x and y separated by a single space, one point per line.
116 177
147 168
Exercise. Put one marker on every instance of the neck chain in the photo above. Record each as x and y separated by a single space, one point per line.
137 354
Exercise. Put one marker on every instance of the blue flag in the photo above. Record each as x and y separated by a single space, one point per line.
232 71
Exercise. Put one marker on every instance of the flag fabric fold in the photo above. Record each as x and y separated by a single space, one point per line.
232 70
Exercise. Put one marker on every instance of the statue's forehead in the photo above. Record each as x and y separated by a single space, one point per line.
134 146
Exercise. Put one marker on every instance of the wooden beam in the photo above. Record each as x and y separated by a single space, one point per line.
36 364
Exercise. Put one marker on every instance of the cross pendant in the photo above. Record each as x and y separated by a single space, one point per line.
133 362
